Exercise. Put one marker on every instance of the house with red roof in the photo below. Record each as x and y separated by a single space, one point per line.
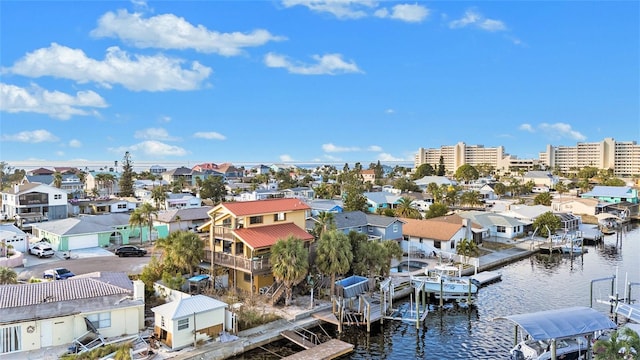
242 233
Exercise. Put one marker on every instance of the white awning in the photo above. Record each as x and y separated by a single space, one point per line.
561 323
605 216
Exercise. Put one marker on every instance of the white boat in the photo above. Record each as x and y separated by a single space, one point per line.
445 281
566 349
574 246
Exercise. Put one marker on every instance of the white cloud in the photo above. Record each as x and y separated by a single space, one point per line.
165 119
140 73
404 12
211 135
154 134
329 64
286 158
331 148
561 131
75 143
526 127
389 111
375 148
35 136
152 148
168 31
56 104
389 157
60 153
342 9
473 18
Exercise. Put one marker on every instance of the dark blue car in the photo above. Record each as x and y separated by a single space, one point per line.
58 274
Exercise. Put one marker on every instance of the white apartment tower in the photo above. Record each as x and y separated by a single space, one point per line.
461 154
621 156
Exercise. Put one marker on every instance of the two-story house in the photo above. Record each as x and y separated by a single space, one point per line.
34 202
241 235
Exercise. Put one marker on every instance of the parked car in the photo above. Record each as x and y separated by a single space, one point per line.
130 250
41 249
58 274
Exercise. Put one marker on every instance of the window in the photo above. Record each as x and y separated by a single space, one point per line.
436 244
279 217
122 206
10 339
453 244
183 324
100 320
395 227
370 229
162 321
255 220
247 277
57 196
501 229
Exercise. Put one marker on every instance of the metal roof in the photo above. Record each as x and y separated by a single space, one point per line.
561 323
189 306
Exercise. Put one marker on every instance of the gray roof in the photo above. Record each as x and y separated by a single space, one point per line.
84 224
323 204
537 174
562 323
439 180
188 214
18 295
188 306
381 221
382 197
487 220
610 191
353 219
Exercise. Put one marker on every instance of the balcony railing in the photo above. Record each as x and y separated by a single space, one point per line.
252 266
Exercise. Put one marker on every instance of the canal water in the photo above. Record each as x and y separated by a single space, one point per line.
541 282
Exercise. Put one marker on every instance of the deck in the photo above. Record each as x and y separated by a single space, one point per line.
485 277
328 350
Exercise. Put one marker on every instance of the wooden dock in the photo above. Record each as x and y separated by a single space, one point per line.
326 316
485 277
328 350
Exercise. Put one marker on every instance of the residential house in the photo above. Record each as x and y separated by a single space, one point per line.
241 235
376 227
229 171
100 206
368 175
613 194
55 313
424 182
32 203
184 322
497 225
183 219
94 230
12 236
379 201
157 169
436 235
526 213
301 192
419 200
183 174
261 169
577 206
487 192
324 205
181 201
540 179
70 183
40 171
106 183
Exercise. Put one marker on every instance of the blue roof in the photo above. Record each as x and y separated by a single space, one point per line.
561 323
199 278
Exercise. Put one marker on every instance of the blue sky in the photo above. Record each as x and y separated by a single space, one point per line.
312 81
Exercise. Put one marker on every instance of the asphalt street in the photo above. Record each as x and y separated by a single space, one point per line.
82 262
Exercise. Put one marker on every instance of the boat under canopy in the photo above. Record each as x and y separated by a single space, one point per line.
561 323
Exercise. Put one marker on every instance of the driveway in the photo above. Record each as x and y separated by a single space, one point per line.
82 262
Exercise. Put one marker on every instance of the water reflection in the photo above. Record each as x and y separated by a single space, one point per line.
538 283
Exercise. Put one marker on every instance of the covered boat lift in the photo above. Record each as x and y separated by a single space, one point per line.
560 324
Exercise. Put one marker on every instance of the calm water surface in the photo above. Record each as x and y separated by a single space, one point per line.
541 282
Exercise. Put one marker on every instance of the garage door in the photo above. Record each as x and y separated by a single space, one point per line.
83 242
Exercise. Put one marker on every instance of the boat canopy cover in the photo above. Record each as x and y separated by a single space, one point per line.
561 323
630 311
605 216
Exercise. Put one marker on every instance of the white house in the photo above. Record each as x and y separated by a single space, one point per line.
55 313
34 202
575 205
183 322
439 235
11 235
497 225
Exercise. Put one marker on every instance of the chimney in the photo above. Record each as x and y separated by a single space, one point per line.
467 231
138 290
16 188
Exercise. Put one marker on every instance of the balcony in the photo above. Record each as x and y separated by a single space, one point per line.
256 266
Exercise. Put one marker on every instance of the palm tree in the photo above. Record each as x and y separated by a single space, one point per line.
333 255
8 276
57 179
624 343
471 198
182 250
290 263
405 209
148 211
137 218
325 221
159 196
466 248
